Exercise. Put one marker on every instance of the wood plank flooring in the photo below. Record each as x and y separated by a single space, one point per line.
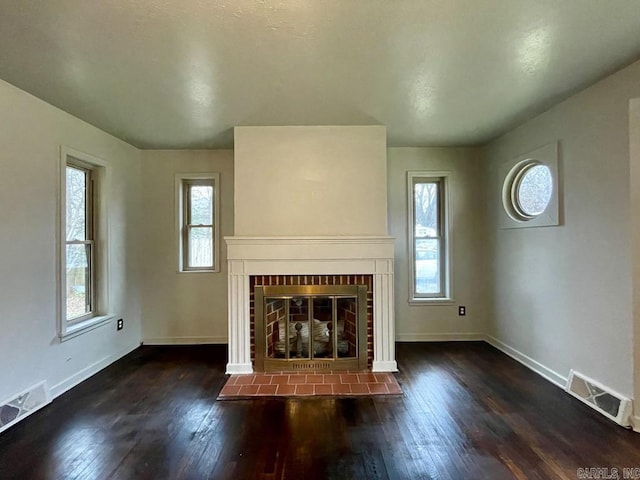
468 412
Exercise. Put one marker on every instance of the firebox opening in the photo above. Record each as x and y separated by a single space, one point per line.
314 327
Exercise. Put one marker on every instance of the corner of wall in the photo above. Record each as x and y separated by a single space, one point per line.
634 179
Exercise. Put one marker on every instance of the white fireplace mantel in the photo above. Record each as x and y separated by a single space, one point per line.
341 255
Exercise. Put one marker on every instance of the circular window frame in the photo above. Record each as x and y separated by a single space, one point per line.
511 186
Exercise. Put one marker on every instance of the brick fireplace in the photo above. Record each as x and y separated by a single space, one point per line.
320 260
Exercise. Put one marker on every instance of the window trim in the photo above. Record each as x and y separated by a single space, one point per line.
509 176
446 295
181 215
99 315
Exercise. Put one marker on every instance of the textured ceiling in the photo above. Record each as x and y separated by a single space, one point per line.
183 73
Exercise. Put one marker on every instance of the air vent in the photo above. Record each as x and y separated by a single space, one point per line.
611 404
22 404
311 366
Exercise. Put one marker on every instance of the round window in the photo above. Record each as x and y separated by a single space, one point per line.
527 190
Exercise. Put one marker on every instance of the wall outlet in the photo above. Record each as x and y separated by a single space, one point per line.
462 310
120 324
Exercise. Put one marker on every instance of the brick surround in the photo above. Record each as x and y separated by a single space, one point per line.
270 280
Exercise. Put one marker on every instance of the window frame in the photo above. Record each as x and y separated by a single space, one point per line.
96 227
182 182
444 236
89 240
511 173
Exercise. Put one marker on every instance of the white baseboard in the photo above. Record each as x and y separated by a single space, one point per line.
440 337
184 340
87 372
540 369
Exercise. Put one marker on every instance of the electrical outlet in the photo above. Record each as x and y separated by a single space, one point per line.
120 324
462 310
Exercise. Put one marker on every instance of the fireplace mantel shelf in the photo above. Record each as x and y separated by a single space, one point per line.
312 249
246 240
307 255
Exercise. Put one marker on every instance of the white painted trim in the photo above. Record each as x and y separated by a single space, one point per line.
238 319
256 251
546 155
178 218
87 372
310 240
431 302
239 368
545 372
102 183
384 345
185 340
92 323
440 337
384 366
92 160
447 178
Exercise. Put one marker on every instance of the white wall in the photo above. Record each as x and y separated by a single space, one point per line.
31 135
468 273
563 294
559 295
186 307
292 181
634 150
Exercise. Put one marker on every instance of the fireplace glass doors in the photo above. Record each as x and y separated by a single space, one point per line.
313 327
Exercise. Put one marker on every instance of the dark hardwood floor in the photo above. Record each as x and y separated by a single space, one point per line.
468 412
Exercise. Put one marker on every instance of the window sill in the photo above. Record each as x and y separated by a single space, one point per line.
79 328
198 271
423 302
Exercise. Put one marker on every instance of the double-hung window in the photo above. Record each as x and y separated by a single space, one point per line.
82 213
428 236
79 244
198 222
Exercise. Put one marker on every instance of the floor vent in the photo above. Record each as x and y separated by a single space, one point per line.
22 404
310 366
611 404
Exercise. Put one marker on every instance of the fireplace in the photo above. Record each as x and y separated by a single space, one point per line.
329 261
310 201
320 323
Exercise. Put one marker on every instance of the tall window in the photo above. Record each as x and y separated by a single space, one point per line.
83 264
80 245
428 236
198 223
